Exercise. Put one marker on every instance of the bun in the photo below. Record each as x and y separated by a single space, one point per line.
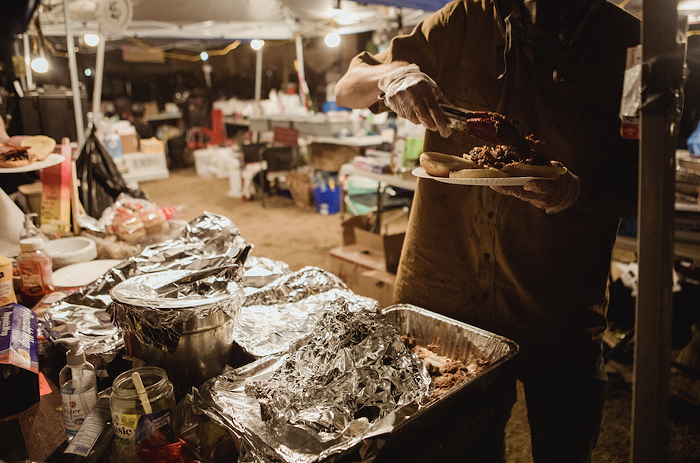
154 221
479 172
521 169
39 146
12 156
440 165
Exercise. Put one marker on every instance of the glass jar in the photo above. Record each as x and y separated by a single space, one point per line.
131 420
35 271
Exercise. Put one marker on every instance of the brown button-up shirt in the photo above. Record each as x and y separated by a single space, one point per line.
495 261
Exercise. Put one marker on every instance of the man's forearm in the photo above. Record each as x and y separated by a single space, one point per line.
358 88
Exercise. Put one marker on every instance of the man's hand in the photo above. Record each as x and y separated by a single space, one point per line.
551 195
413 95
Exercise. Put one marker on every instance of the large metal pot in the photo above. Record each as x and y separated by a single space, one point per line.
202 352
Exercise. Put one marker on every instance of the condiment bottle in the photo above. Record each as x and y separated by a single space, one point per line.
35 271
7 292
78 387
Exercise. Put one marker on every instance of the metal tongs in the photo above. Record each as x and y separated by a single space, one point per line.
226 271
463 115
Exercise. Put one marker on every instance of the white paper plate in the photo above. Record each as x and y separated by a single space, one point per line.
83 273
51 160
489 181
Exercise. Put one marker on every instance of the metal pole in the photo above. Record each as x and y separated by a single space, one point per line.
99 71
77 104
28 62
300 63
258 79
652 362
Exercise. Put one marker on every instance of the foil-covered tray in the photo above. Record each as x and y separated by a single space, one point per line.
455 340
224 400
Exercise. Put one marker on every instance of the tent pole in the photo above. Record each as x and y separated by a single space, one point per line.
300 62
652 357
99 71
28 62
258 80
79 126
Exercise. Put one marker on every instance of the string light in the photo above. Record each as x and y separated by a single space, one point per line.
91 39
332 39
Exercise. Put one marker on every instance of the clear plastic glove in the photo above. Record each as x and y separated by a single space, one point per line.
551 195
413 95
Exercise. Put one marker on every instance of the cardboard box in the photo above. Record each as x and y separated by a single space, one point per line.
329 157
377 284
152 145
356 236
56 189
130 144
301 188
363 273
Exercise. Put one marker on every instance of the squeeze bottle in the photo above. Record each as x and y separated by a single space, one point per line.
78 387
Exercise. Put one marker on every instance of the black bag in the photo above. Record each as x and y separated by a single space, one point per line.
100 180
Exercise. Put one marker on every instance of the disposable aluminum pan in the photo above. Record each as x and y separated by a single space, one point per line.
224 401
453 339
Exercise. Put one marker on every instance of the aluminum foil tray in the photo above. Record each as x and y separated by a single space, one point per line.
453 339
446 337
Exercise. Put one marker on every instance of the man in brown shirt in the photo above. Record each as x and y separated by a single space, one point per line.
530 263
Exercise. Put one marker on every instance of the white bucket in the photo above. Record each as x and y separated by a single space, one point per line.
212 162
235 180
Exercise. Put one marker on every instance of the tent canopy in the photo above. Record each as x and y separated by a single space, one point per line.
232 19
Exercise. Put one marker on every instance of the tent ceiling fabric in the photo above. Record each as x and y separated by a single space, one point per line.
238 19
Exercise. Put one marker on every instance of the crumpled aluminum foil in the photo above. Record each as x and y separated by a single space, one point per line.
157 318
287 309
209 240
351 379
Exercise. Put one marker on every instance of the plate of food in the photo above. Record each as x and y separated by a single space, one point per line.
487 166
51 160
482 181
28 153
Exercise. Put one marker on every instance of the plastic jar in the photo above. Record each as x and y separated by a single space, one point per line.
35 271
131 421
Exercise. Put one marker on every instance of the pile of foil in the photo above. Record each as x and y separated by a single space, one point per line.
286 309
154 307
210 240
350 379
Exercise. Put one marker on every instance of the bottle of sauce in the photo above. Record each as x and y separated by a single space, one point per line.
35 271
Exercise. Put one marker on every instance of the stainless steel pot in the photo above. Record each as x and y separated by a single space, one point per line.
202 352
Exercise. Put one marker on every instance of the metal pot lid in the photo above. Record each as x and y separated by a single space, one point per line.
142 291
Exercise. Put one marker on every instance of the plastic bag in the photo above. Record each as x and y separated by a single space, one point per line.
101 183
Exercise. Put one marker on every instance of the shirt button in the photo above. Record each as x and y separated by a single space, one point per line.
485 295
490 215
487 256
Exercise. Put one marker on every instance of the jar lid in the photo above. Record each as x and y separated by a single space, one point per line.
31 244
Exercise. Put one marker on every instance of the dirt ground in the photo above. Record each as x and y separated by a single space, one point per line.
301 237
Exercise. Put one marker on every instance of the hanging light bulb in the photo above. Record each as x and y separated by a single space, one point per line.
40 65
204 56
91 39
257 44
332 39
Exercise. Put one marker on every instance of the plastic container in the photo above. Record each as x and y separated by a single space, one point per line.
35 270
142 401
113 144
7 292
78 387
